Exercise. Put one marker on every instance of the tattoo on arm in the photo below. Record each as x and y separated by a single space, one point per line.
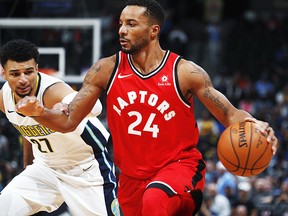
87 83
207 79
94 69
208 94
207 90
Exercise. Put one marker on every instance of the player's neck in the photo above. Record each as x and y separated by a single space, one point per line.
148 60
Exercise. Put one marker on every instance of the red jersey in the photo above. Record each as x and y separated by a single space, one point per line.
150 121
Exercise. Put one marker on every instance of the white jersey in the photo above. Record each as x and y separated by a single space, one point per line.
70 167
52 148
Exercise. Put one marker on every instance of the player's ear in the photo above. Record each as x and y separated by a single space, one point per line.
3 73
155 31
36 67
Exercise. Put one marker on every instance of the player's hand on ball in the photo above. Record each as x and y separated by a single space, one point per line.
243 149
267 132
29 106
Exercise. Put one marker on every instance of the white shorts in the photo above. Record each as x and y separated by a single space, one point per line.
40 188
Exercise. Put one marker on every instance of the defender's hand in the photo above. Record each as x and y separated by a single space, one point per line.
62 107
29 106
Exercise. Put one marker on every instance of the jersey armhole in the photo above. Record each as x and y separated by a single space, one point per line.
114 71
177 83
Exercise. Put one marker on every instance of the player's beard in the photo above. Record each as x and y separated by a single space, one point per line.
136 47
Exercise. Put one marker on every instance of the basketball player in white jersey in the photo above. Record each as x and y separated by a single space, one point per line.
72 167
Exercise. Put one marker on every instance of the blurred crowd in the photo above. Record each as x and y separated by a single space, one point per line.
255 80
247 59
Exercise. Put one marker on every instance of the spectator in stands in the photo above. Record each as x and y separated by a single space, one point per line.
263 196
281 201
225 179
218 203
244 198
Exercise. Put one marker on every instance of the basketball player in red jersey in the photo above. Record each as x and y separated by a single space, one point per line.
150 115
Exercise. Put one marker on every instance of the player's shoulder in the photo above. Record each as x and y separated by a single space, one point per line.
189 67
49 82
104 65
99 73
5 93
48 79
108 62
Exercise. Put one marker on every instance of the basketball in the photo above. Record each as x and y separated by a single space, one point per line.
243 149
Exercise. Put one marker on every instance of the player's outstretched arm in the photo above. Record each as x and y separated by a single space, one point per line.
63 105
194 80
93 85
197 82
52 118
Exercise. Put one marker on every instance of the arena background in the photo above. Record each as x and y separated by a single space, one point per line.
242 44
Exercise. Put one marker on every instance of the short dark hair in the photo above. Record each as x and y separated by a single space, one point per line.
154 10
19 50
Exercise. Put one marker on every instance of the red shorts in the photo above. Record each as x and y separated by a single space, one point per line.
176 179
